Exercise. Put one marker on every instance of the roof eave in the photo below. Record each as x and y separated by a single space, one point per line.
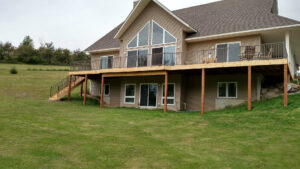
103 50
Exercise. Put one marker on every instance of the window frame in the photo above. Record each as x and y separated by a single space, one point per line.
134 97
136 64
164 30
163 58
226 43
113 56
227 97
138 37
156 104
162 97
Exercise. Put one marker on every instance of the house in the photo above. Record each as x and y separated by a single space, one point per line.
209 56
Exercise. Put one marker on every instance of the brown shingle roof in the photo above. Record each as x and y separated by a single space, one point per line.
216 18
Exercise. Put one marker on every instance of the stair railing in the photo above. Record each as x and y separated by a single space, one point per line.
63 83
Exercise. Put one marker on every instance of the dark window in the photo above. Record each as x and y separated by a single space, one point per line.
157 56
171 94
227 90
132 58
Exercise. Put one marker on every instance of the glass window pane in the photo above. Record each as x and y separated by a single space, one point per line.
169 55
144 36
222 89
142 58
130 89
171 90
132 58
106 90
169 38
170 101
222 53
234 52
109 62
157 56
129 100
103 62
157 34
152 95
232 90
133 43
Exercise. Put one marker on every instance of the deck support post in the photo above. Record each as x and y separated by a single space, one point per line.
166 92
285 77
102 89
81 89
85 89
202 91
70 87
249 87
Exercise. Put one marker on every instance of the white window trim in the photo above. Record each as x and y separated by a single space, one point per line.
163 59
163 35
162 97
227 43
136 64
138 37
148 95
227 97
127 84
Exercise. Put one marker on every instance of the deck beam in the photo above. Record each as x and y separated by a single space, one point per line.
166 92
285 77
249 87
202 91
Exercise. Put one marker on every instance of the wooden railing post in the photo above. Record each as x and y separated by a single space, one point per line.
81 89
85 89
166 92
285 77
202 91
70 87
102 89
249 87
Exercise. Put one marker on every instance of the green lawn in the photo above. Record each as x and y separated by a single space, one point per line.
35 133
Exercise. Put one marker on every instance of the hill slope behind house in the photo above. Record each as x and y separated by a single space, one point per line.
35 133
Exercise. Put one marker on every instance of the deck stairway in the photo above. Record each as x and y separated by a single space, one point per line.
60 89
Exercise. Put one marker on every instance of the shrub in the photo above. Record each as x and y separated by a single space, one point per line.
13 71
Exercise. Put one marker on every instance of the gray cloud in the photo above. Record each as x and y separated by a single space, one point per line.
77 24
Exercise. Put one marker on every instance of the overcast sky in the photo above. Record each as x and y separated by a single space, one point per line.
76 24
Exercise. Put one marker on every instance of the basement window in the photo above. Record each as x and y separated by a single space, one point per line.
129 94
227 89
106 90
171 94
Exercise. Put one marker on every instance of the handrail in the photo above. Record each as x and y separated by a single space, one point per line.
215 55
63 83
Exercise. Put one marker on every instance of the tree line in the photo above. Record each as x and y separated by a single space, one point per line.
45 54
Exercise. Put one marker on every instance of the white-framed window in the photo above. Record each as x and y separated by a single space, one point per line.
106 62
161 35
142 38
171 94
164 56
129 97
137 58
227 90
106 90
228 52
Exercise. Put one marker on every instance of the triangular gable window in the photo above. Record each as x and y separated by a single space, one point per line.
141 39
161 36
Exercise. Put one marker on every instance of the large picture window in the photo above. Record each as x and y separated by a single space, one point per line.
164 56
171 94
141 39
129 94
160 35
137 58
227 90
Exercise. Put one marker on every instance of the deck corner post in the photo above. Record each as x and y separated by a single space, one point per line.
249 87
102 89
70 87
166 92
81 89
85 89
285 77
202 91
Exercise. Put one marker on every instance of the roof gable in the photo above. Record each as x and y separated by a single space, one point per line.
138 9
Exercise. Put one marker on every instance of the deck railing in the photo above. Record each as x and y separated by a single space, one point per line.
216 55
63 83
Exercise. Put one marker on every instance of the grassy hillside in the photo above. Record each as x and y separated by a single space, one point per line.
35 133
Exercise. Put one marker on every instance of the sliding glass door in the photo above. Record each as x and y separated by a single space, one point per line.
148 95
228 52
